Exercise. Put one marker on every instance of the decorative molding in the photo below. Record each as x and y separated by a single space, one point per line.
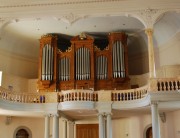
8 120
71 18
150 16
57 3
163 116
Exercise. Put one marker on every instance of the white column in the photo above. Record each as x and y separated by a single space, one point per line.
152 71
55 126
155 121
74 130
64 128
47 126
101 126
109 126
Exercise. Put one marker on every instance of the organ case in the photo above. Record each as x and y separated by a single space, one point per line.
84 65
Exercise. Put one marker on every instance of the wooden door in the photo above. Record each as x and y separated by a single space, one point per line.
87 131
149 133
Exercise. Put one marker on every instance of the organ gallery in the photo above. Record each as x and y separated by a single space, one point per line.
83 62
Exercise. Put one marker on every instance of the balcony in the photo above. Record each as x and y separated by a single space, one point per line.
158 89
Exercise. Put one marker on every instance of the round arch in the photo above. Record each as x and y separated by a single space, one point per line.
145 130
22 127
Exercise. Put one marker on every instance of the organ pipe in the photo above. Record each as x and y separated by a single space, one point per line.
118 60
43 63
101 67
64 69
82 64
47 63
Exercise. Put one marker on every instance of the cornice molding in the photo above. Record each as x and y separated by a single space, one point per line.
148 16
57 3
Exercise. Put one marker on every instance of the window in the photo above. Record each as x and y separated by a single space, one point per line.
0 77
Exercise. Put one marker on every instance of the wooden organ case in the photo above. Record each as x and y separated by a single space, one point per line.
83 65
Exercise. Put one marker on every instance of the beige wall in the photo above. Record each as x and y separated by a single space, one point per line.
129 127
169 52
35 124
17 65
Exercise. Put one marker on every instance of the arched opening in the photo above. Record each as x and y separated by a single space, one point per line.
22 133
149 132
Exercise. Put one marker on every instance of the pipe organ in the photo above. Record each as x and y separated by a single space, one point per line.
83 64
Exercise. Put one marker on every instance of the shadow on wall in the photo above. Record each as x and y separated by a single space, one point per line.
138 54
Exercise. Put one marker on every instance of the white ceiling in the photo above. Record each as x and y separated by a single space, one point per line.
30 30
35 28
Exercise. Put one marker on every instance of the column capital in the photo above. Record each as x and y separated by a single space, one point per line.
47 115
107 114
154 102
55 115
149 31
99 114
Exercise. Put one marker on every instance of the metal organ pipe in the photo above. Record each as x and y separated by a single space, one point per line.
86 66
106 66
122 61
64 69
82 64
89 65
52 61
47 62
114 61
101 67
77 65
46 68
118 60
43 63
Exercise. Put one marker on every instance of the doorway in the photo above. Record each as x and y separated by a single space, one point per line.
87 131
149 133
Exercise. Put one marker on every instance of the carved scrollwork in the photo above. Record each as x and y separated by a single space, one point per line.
71 18
150 16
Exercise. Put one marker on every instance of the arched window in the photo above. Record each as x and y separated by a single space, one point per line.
22 132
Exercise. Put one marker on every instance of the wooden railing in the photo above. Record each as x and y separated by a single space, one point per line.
164 84
128 95
28 97
78 95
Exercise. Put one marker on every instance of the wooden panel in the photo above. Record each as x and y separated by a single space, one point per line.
87 131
